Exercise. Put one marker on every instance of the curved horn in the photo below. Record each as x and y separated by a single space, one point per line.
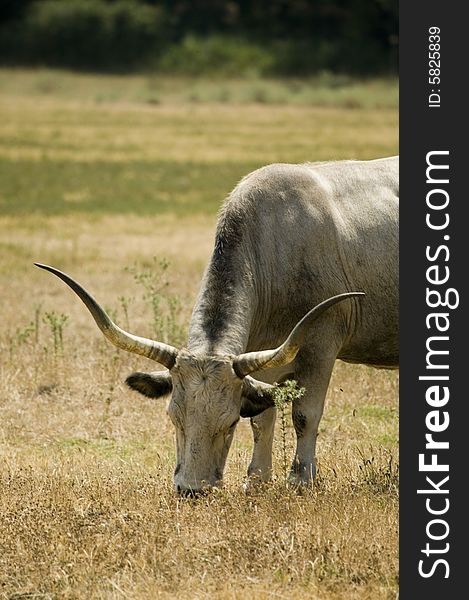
157 351
249 362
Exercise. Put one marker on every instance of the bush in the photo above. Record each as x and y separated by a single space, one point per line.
227 37
93 34
216 55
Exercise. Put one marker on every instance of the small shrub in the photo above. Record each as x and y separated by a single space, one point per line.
26 334
165 307
284 395
125 301
21 336
56 322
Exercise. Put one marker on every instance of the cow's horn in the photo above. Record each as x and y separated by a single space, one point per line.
157 351
249 362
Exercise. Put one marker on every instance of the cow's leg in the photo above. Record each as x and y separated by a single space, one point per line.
260 468
263 426
313 373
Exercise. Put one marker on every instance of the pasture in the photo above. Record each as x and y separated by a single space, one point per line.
117 181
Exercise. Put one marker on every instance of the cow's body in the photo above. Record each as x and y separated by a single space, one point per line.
288 238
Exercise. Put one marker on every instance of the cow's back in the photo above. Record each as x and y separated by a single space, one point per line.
316 230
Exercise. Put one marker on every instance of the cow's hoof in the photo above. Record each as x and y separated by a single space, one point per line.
300 482
254 483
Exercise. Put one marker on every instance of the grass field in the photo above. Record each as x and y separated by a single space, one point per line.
97 177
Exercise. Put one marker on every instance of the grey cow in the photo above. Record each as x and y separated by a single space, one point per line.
289 238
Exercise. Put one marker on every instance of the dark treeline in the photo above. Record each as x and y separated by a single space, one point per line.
235 37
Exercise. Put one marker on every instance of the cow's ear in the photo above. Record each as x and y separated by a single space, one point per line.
256 397
153 385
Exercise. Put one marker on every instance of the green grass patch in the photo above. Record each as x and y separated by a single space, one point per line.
58 188
376 411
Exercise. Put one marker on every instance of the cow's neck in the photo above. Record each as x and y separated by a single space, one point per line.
222 316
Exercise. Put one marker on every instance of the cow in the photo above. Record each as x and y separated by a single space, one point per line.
289 237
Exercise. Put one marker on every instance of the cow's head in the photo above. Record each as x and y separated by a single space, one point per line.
208 393
208 397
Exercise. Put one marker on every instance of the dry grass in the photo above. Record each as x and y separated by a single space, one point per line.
86 505
68 131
